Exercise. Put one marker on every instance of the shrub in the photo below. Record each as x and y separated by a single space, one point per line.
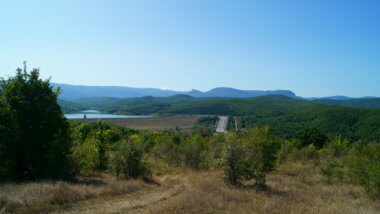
234 163
364 166
129 160
216 144
285 150
261 147
169 149
196 152
309 152
81 131
338 147
251 157
86 156
304 154
329 170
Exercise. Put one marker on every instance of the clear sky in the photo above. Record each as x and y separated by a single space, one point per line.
312 47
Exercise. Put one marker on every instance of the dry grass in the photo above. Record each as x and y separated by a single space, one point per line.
293 188
43 197
154 123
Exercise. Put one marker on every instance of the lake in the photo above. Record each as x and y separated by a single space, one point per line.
99 115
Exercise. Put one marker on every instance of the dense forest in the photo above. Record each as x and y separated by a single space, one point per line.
358 103
283 114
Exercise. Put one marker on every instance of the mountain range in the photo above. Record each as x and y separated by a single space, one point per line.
74 92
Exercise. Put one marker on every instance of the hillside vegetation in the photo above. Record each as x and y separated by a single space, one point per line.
283 114
358 103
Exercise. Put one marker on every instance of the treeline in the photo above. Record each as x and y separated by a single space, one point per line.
373 103
355 124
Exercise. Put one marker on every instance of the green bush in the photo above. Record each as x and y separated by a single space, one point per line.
234 163
169 148
286 149
261 147
129 160
215 156
364 166
250 157
304 154
196 152
339 147
86 156
330 170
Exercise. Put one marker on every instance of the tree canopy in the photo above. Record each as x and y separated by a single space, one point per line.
33 131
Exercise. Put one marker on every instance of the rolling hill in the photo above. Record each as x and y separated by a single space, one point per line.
358 103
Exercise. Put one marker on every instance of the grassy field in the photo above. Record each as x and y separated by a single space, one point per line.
293 188
152 123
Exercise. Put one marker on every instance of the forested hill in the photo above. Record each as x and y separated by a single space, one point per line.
359 103
283 114
286 116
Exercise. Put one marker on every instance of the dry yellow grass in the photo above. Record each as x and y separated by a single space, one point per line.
44 197
153 123
293 188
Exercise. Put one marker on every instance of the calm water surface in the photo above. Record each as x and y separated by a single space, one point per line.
96 114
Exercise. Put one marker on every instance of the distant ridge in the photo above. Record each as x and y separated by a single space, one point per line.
339 97
232 92
73 92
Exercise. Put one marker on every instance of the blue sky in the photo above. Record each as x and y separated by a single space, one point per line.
314 48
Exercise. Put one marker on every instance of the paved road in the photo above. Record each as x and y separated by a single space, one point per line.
222 125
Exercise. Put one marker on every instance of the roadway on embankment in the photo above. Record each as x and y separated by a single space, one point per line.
222 125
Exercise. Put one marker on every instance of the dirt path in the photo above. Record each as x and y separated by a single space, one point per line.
138 202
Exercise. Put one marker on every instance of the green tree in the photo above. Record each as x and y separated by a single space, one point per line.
234 161
35 140
100 143
312 136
